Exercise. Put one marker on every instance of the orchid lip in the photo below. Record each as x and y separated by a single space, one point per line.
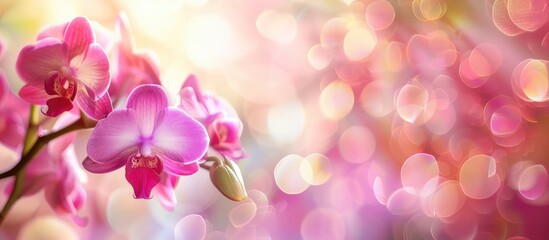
143 173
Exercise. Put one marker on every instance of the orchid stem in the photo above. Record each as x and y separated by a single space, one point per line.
16 192
205 166
41 141
32 145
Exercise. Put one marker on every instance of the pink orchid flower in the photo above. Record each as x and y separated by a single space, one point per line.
13 111
58 72
131 67
149 138
103 36
55 170
218 117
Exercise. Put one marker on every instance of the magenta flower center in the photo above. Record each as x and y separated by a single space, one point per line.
138 161
61 84
143 173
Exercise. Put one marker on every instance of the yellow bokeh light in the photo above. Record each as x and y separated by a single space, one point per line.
359 42
336 100
209 41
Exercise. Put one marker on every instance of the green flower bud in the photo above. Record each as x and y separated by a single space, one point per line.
226 177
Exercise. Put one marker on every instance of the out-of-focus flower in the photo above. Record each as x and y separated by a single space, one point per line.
165 190
217 115
12 114
130 67
55 169
58 72
149 137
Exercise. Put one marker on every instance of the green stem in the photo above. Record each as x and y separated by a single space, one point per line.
32 145
41 142
16 192
205 166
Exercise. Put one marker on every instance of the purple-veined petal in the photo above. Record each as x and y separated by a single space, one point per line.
179 137
96 109
102 34
93 72
165 190
56 106
178 168
114 136
78 36
34 95
36 62
143 173
104 167
148 101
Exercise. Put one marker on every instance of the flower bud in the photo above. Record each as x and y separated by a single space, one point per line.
226 177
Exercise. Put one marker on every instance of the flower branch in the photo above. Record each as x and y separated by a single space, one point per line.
41 141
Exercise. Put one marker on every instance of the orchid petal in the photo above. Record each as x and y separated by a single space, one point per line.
179 137
143 173
178 168
96 167
36 62
149 67
190 104
52 31
93 72
113 136
56 106
192 82
165 190
103 35
148 101
126 39
215 104
34 94
78 36
65 200
96 109
12 129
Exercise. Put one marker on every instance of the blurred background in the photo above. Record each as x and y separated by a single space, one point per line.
363 119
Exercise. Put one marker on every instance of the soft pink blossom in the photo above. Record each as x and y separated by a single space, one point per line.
218 117
13 112
55 170
148 137
60 71
131 67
